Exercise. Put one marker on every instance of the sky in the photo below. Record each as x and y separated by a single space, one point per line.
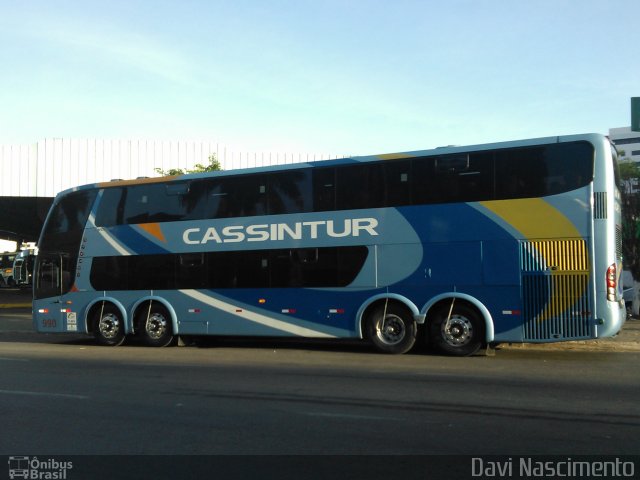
351 77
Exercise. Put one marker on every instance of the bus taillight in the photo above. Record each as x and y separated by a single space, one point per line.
612 283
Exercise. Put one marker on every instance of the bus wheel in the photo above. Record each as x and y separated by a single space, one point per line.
460 334
391 328
155 326
108 326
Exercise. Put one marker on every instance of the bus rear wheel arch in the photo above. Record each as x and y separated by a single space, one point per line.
154 324
390 327
107 324
456 328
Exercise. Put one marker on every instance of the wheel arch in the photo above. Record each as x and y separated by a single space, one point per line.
96 303
144 301
445 298
372 302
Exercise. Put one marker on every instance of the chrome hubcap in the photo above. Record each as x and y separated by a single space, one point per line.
392 330
156 326
109 326
458 331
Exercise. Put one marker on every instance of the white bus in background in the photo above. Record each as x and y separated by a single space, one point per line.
6 269
23 264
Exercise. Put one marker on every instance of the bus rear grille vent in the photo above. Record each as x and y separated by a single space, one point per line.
556 307
618 241
554 255
555 290
600 205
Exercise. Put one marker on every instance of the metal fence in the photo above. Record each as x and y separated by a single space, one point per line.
47 167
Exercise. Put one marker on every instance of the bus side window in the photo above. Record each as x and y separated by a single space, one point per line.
360 186
324 190
193 201
152 203
424 184
521 173
241 196
191 270
289 192
111 207
397 182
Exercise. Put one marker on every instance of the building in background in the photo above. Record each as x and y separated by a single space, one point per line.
31 175
626 141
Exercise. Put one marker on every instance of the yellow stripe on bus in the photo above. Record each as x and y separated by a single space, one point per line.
536 219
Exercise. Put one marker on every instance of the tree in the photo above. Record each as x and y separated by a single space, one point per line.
213 166
630 173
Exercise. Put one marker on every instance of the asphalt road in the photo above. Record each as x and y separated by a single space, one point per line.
62 395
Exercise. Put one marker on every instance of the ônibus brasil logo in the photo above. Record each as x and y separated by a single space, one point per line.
38 469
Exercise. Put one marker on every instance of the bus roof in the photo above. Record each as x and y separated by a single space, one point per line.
592 137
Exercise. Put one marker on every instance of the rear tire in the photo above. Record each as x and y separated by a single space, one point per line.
108 326
391 329
155 326
462 335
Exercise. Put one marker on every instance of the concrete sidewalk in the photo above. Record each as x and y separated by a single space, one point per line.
628 340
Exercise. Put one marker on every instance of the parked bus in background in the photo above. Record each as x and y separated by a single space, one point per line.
6 269
466 246
23 264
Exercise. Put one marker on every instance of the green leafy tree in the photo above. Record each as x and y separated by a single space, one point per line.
630 174
213 166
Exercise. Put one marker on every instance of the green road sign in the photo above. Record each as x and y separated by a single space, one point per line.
635 114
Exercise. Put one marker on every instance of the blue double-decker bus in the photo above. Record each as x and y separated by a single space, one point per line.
467 246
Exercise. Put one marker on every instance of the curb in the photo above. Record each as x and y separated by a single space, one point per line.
589 346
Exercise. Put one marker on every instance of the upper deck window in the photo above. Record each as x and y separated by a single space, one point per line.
500 174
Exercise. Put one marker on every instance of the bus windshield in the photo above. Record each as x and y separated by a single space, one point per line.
60 243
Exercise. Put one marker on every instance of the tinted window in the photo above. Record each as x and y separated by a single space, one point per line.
360 186
465 177
67 219
237 269
60 242
310 267
541 171
398 182
453 178
241 196
515 173
149 203
324 189
373 185
290 192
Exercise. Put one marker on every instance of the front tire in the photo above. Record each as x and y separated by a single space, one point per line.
391 328
155 326
461 335
108 326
